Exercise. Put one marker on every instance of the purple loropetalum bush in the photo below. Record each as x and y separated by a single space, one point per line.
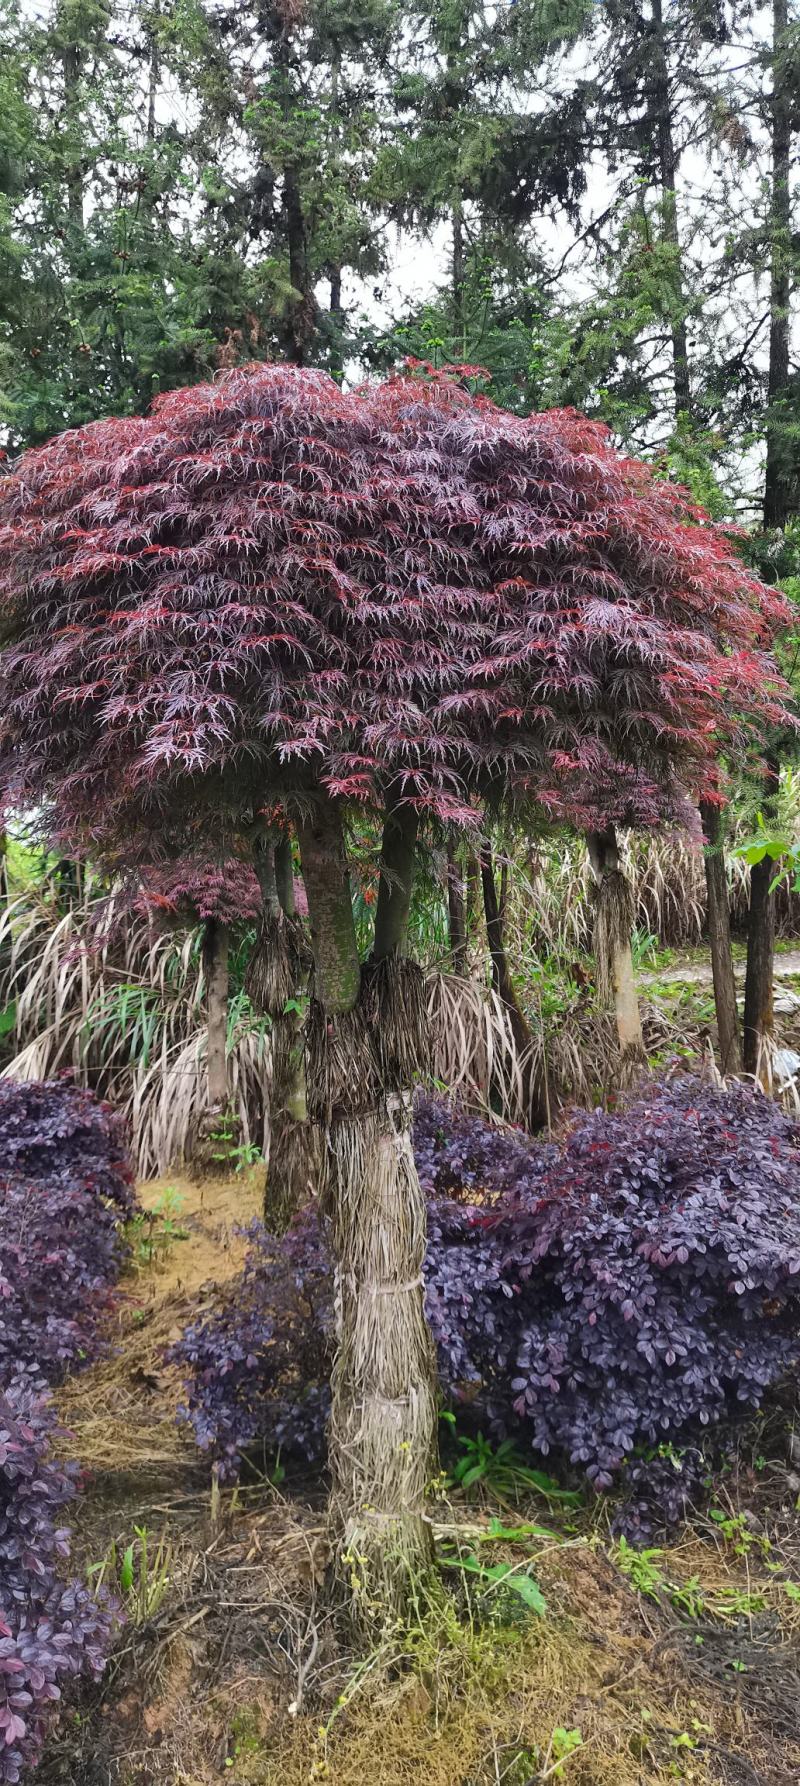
459 1154
628 1288
258 1369
65 1191
51 1630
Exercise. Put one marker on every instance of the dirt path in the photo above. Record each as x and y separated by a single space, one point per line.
122 1413
689 972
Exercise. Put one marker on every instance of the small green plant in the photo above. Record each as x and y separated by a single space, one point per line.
642 1568
563 1743
154 1232
140 1574
247 1154
647 952
511 1578
229 1150
733 1527
502 1470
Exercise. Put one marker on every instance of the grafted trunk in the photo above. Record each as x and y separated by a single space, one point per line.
534 1089
616 981
719 938
215 963
366 1038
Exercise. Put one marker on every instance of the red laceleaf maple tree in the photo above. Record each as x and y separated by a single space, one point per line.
273 590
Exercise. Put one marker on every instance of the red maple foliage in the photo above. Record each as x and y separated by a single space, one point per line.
269 583
189 890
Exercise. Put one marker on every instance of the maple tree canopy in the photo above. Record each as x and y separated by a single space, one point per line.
269 584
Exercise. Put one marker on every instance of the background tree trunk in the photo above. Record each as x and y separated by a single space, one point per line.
362 1039
398 860
215 964
779 486
534 1088
277 983
456 912
662 119
612 945
759 975
719 938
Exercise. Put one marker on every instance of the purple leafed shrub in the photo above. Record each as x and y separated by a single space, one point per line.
51 1630
65 1189
630 1287
459 1154
271 1339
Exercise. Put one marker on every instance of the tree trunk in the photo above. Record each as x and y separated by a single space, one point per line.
363 1036
277 984
297 324
719 937
460 328
778 479
71 64
758 983
613 923
215 963
778 503
661 114
398 861
284 873
534 1088
457 913
758 1000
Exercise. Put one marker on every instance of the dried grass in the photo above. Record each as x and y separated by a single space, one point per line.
667 875
121 1005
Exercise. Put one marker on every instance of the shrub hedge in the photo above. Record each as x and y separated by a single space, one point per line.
65 1191
604 1299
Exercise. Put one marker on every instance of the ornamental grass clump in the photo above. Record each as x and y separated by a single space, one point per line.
610 1299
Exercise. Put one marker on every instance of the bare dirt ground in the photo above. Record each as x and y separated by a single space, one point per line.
244 1672
693 968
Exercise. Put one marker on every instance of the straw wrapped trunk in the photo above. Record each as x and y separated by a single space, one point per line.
366 1041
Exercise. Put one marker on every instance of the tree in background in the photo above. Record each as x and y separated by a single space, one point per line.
218 896
403 599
